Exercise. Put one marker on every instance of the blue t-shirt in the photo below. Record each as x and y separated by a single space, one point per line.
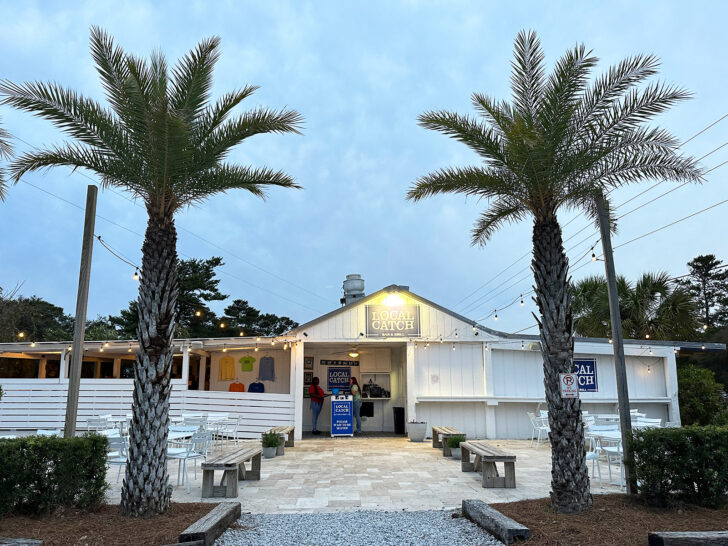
266 369
256 387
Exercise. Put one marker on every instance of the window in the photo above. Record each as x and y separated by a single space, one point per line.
127 369
20 368
53 369
177 367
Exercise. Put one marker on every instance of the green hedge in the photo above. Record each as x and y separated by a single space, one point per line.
687 464
38 474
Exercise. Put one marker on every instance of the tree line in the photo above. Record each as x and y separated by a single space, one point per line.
41 320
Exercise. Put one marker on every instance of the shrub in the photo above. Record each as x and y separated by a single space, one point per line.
455 440
681 464
270 439
39 473
701 398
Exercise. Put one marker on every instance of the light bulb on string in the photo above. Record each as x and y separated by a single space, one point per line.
427 344
256 348
224 349
593 257
272 341
703 347
32 343
129 349
486 346
440 339
241 333
21 334
647 336
198 313
496 314
705 326
453 346
649 369
650 350
522 304
136 275
285 346
222 325
523 347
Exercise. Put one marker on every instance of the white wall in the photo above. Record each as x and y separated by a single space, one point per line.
282 368
443 372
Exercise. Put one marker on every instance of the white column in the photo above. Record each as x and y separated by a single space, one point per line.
63 375
490 427
673 408
411 383
297 386
203 372
185 365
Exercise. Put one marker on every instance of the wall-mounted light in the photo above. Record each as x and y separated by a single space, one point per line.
353 353
393 300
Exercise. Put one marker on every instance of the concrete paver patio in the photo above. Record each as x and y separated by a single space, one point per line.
375 473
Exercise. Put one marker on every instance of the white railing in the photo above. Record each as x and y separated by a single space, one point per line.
41 403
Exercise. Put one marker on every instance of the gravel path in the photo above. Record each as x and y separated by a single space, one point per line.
427 527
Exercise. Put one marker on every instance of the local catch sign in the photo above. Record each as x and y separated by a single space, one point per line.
401 321
586 373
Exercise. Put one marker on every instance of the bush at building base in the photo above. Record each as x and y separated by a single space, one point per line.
681 464
39 474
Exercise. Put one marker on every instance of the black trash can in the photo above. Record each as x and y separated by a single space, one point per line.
398 420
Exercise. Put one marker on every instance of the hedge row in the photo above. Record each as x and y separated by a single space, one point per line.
38 474
687 464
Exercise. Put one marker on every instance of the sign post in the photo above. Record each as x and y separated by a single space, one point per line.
569 385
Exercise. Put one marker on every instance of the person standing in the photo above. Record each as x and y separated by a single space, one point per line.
317 402
356 394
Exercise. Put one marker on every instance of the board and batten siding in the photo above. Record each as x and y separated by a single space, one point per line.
434 324
447 373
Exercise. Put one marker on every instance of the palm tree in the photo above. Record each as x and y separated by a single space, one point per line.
561 142
166 143
6 150
651 308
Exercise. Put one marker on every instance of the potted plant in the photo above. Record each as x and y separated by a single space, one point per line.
453 442
416 430
271 441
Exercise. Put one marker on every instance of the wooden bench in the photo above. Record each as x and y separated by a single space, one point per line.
233 466
439 438
485 459
286 434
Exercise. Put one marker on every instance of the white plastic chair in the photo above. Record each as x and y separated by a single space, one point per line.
615 452
118 454
195 448
592 455
228 430
53 432
539 428
100 422
647 422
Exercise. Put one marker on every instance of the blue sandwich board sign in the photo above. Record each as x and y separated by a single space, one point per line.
342 417
338 378
586 373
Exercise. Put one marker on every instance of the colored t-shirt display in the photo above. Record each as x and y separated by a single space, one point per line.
267 369
227 368
236 387
246 363
256 387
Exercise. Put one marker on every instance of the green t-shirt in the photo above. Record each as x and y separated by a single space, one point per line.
355 392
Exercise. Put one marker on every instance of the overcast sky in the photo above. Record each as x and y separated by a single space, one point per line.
360 73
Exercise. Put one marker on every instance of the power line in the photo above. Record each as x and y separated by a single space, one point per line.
179 252
247 262
469 306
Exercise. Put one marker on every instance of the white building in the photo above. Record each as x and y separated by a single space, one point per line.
406 351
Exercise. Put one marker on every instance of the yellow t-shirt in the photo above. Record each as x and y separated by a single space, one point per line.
227 368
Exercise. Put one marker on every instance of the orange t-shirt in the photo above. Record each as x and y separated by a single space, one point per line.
237 387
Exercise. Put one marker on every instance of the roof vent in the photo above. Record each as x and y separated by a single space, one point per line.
353 289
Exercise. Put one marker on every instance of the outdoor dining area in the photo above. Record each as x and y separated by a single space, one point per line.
603 436
191 437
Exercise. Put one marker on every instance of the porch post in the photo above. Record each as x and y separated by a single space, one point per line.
673 407
296 382
185 365
201 375
63 373
411 383
490 405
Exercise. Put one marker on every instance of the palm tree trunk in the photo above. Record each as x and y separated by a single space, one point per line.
145 492
569 474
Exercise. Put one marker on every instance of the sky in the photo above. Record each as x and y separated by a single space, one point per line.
360 73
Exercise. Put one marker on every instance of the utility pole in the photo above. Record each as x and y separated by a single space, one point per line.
79 328
625 420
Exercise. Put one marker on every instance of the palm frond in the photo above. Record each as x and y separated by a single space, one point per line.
499 115
527 76
500 212
193 79
211 118
472 181
475 135
225 177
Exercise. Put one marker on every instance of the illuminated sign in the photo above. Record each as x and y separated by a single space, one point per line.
399 321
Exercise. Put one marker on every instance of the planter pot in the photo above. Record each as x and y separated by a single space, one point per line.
456 453
417 431
269 452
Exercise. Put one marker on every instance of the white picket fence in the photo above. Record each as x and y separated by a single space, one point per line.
41 404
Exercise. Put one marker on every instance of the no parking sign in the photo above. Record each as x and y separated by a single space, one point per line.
569 385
